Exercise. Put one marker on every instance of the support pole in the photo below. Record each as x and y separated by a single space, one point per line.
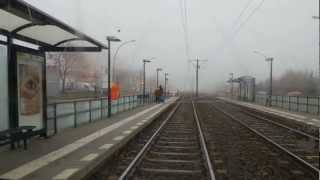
231 85
197 78
109 79
144 81
165 84
270 90
157 79
197 74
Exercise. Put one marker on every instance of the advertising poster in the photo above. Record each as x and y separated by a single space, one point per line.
30 90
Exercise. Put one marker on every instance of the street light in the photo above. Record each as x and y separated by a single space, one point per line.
115 55
144 75
231 74
110 39
317 17
158 69
268 59
165 83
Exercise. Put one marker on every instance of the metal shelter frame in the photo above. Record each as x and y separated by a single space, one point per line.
246 87
35 18
39 18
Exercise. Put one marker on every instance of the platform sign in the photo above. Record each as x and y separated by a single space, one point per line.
30 89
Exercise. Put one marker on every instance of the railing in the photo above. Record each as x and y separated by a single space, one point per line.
72 113
306 104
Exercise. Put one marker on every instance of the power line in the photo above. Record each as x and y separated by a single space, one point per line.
235 33
185 26
184 19
249 17
242 12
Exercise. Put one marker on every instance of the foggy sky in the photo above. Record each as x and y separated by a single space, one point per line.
283 29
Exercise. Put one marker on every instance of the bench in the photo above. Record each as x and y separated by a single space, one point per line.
15 135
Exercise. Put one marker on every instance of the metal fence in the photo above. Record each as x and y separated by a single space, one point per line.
306 104
73 113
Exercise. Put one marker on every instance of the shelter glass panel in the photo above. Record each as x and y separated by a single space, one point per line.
10 22
4 119
47 33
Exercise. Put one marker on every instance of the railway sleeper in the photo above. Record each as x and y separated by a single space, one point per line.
185 147
174 155
188 139
177 143
175 172
178 164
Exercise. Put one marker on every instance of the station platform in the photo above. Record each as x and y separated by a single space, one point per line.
300 117
73 153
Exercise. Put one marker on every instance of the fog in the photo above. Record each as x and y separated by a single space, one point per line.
222 31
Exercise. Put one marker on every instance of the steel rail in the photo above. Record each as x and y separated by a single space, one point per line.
203 144
281 125
246 111
139 156
300 160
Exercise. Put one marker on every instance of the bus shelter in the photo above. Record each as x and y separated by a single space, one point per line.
246 88
26 34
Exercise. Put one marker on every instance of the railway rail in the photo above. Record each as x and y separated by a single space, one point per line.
176 149
288 123
209 139
239 153
300 146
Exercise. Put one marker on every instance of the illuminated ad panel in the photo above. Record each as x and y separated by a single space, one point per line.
30 89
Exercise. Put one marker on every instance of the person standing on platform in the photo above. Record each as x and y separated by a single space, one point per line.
161 94
157 95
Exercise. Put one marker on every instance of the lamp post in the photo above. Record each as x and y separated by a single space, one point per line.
268 59
115 55
158 69
231 74
165 83
317 18
144 76
110 39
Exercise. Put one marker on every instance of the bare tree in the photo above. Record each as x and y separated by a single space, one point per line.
64 63
293 80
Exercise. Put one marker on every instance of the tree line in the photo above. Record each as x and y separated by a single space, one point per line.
305 82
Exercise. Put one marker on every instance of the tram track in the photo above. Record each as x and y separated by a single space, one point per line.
297 146
211 140
294 125
176 149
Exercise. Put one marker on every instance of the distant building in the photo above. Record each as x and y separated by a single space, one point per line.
262 93
294 93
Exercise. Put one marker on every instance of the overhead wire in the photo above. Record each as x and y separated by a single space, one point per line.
186 27
237 29
234 33
242 12
249 17
184 19
192 81
184 23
